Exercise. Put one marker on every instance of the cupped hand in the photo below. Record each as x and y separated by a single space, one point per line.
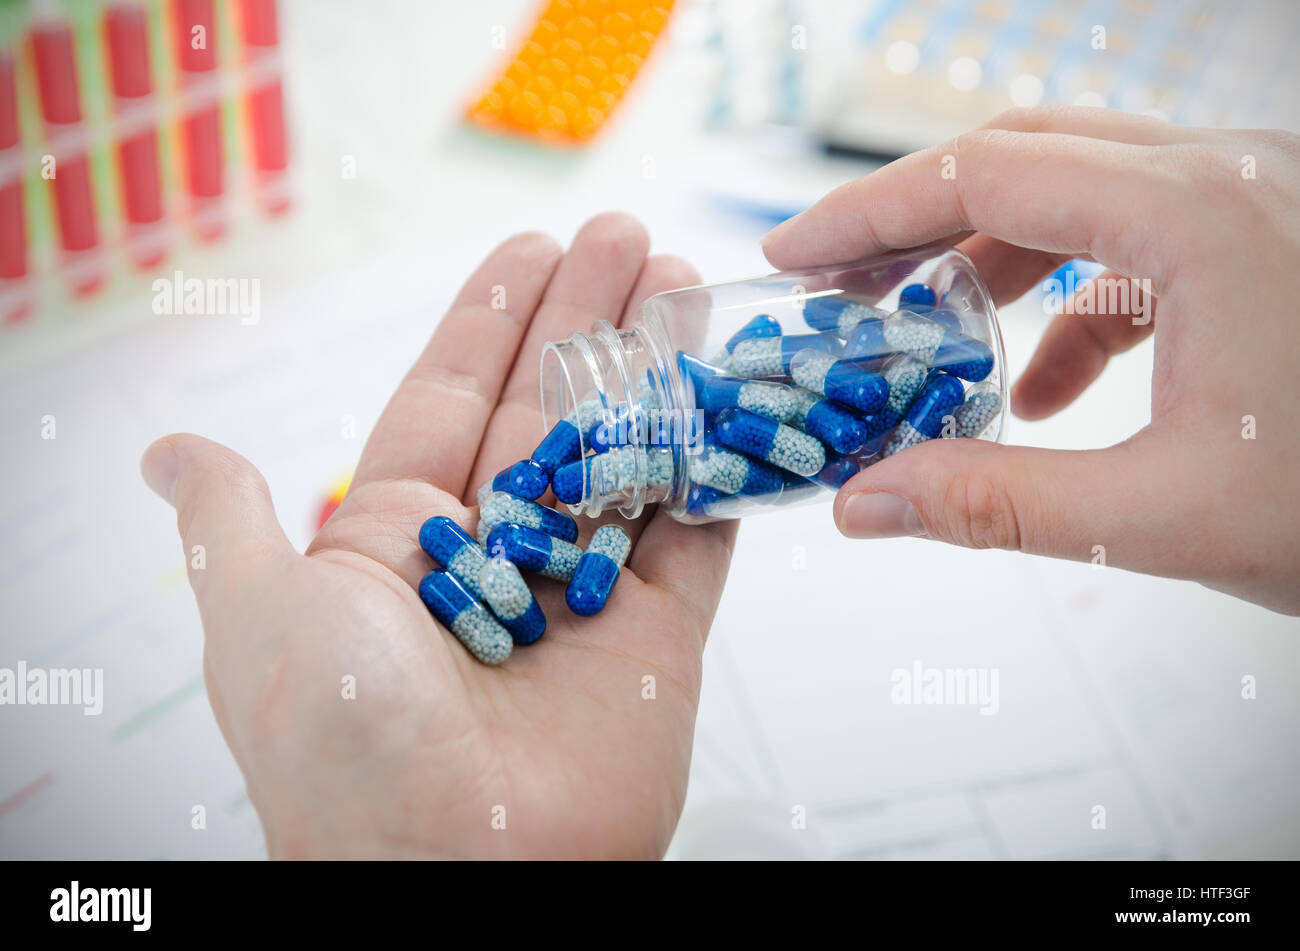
577 745
1209 223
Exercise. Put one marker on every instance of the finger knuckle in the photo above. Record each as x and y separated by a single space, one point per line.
980 514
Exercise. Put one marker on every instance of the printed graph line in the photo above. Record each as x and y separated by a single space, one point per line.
28 792
159 709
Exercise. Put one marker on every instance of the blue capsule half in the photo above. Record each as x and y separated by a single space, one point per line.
597 570
917 294
837 471
764 325
562 444
839 429
694 369
450 601
568 480
535 551
525 479
591 585
941 395
963 356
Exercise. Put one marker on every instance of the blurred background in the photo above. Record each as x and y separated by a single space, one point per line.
341 167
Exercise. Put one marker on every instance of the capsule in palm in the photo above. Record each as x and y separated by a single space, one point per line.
839 429
941 395
452 547
939 346
452 603
508 595
770 441
840 380
499 508
597 570
531 550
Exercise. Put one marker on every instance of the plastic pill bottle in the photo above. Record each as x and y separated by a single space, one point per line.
728 399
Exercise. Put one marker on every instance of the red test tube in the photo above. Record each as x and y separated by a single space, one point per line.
15 304
74 201
126 31
261 38
196 50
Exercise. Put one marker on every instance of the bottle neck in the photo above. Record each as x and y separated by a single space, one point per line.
622 389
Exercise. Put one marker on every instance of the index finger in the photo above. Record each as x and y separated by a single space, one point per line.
434 422
1060 193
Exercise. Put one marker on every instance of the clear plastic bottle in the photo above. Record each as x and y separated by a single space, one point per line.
728 399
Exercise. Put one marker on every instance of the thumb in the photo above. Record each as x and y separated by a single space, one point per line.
223 509
979 494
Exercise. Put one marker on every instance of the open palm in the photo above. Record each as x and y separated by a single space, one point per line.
362 726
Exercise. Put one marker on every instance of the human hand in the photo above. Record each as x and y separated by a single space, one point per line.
1188 496
559 736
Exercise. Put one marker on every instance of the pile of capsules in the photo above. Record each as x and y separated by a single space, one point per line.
479 594
789 415
783 415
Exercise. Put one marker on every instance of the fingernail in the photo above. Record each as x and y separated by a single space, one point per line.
879 515
159 467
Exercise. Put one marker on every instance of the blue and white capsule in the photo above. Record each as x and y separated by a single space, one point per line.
563 444
939 346
905 376
773 400
696 370
838 314
734 474
839 380
764 325
454 549
452 603
940 396
771 356
597 570
525 478
770 441
511 600
535 551
833 425
624 468
500 507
